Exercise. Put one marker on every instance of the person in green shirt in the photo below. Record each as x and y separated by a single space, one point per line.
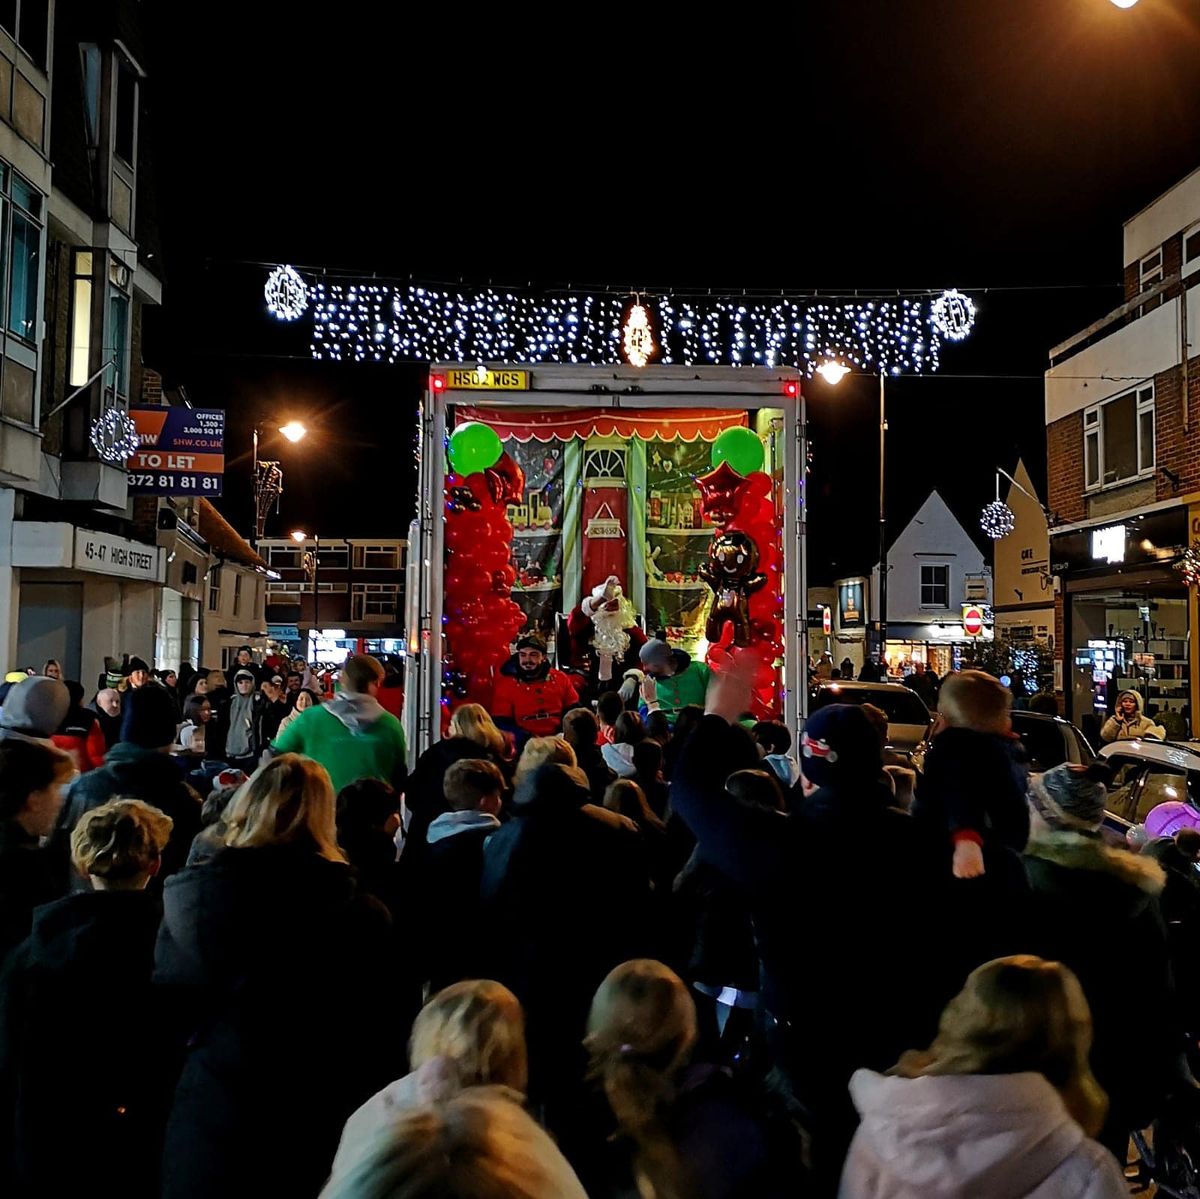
351 736
673 680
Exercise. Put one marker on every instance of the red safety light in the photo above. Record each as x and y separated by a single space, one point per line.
791 389
437 382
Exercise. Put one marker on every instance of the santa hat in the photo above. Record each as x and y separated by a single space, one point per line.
601 594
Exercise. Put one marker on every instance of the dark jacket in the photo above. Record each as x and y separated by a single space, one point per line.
590 761
1087 900
131 772
79 982
280 979
217 732
424 796
29 876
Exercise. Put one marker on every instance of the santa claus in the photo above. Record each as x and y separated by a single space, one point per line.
605 638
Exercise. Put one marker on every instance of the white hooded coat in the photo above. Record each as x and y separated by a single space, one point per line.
971 1136
1117 729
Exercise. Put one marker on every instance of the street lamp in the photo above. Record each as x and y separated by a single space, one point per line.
312 565
833 372
1124 3
268 477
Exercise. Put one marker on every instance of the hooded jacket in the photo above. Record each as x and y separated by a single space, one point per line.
971 1136
533 704
352 737
34 709
1087 898
424 795
1117 728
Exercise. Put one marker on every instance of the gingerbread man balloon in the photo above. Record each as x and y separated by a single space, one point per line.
731 572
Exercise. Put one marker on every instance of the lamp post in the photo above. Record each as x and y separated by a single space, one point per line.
312 568
268 477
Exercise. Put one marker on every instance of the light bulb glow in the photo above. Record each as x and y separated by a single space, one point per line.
293 431
638 338
833 372
1124 3
299 535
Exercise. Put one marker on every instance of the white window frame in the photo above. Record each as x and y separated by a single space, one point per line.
921 568
1190 267
1150 270
359 610
361 552
1093 429
214 589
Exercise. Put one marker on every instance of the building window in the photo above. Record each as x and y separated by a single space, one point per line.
333 559
285 556
214 589
935 586
237 593
374 601
29 23
126 131
81 318
89 54
376 557
118 332
1150 270
1118 439
1191 250
26 259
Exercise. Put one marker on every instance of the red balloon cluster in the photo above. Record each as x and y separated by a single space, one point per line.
480 618
742 503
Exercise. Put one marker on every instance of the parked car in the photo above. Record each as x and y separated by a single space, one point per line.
908 717
1146 774
1049 741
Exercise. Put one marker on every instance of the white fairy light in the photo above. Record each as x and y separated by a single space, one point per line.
286 293
114 437
997 520
637 338
953 315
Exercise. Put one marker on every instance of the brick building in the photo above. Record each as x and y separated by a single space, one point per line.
1123 452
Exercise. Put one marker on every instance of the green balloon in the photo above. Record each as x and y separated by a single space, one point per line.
474 446
741 448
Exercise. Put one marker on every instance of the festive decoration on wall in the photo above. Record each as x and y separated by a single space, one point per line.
473 447
997 520
286 293
114 437
953 315
383 322
1189 565
742 448
637 338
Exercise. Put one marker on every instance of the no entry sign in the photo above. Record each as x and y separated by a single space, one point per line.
972 618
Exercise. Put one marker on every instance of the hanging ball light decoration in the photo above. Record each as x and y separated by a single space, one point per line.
1189 565
953 315
997 520
638 336
114 437
286 293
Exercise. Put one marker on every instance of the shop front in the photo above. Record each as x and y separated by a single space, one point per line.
940 646
1128 619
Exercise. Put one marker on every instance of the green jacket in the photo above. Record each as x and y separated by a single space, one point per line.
352 737
680 690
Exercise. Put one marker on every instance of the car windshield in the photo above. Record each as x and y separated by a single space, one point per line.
1043 742
901 706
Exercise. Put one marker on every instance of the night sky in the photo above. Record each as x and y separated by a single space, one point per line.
992 145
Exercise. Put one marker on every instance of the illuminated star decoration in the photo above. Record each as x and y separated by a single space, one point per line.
114 437
997 520
953 315
1189 565
286 293
638 337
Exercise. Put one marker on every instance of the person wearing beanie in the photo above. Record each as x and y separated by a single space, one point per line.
244 660
138 673
139 766
840 885
672 680
33 709
1086 897
531 696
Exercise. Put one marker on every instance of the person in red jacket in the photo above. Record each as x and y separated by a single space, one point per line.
80 733
531 696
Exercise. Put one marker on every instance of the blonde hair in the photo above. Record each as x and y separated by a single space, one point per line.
480 1026
287 801
120 840
641 1032
1019 1014
479 1145
474 722
628 799
540 750
972 699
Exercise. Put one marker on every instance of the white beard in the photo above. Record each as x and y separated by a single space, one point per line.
610 640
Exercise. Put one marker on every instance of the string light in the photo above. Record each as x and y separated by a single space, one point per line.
997 520
953 315
638 337
1189 565
383 322
286 293
114 437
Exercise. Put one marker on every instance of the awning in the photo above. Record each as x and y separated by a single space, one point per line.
935 632
558 424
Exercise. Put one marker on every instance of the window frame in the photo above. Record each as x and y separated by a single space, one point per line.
361 595
237 593
1185 267
363 550
1150 273
214 589
921 585
1144 401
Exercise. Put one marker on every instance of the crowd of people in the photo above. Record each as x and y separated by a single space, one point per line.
635 946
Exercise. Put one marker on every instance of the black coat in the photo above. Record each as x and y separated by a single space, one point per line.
423 794
281 979
453 925
131 772
591 762
1096 909
29 876
83 1070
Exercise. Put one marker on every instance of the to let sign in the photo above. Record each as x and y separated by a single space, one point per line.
182 451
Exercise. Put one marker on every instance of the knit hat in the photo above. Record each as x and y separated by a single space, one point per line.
35 707
1069 797
148 717
655 655
113 673
136 664
532 640
839 741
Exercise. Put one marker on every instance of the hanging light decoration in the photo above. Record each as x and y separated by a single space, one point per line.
953 314
114 437
286 293
1189 565
997 519
637 338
